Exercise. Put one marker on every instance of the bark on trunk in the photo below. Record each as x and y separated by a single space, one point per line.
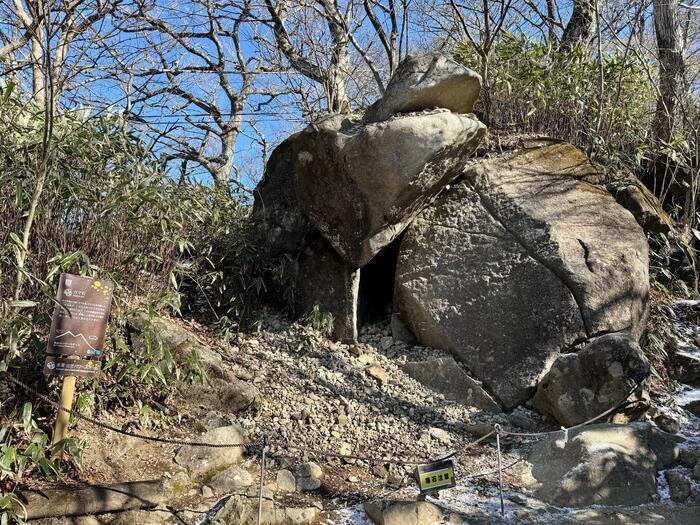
669 40
579 30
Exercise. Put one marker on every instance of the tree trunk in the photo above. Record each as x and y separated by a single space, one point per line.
579 30
669 40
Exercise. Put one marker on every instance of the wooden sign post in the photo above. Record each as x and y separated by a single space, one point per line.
77 337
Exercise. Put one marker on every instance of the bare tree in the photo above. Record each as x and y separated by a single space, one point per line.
325 62
669 39
200 74
339 46
482 26
70 21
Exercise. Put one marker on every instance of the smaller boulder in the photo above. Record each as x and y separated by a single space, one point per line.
230 479
582 385
667 423
309 476
286 481
427 82
678 485
601 465
690 457
641 203
403 512
203 462
446 376
693 407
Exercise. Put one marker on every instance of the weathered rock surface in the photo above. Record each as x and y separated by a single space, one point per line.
446 376
319 276
95 499
403 512
202 463
678 485
601 464
427 82
643 204
223 390
324 279
242 509
229 479
521 262
276 203
586 383
361 185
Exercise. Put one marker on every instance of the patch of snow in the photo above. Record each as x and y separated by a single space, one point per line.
354 515
662 488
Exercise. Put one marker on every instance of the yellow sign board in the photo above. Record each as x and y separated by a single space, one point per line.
436 476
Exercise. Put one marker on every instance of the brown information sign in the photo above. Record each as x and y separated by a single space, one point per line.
79 322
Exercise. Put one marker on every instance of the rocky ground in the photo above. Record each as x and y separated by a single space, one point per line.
348 399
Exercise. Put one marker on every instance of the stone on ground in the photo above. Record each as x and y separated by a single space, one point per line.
584 384
601 464
678 485
427 82
642 203
667 423
360 186
520 263
202 463
308 477
403 512
229 480
446 376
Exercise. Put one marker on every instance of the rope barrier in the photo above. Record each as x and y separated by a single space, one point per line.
580 425
265 446
189 443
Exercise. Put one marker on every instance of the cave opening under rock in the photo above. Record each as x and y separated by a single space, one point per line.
376 293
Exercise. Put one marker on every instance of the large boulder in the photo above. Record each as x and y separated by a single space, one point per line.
518 263
427 82
360 185
317 275
601 465
581 385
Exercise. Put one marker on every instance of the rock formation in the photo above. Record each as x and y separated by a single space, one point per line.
602 465
360 185
524 258
520 262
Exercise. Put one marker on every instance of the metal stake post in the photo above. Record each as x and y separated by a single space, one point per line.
500 470
262 478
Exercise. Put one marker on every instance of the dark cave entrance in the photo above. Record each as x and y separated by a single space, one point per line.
376 293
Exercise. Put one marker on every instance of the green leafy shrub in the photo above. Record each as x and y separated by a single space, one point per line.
536 89
320 321
25 450
106 208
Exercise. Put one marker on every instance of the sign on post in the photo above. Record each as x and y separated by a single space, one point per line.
436 476
79 325
77 337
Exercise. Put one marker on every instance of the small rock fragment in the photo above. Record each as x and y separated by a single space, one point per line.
378 373
678 485
286 481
